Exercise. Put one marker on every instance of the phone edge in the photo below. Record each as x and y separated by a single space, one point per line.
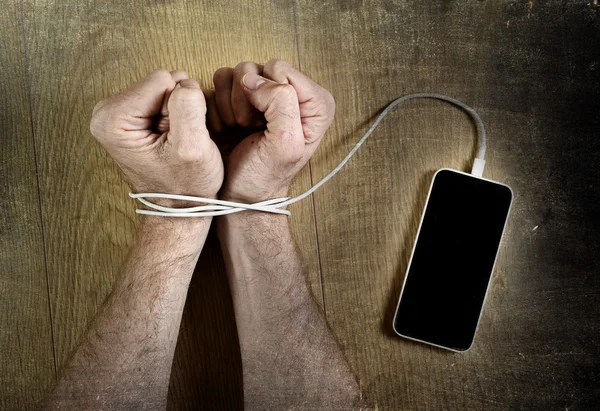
487 289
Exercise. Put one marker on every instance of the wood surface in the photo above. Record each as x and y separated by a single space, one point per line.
26 351
525 70
529 69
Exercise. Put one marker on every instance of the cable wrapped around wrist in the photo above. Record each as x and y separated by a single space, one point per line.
215 207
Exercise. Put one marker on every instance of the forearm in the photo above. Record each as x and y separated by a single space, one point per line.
125 359
289 356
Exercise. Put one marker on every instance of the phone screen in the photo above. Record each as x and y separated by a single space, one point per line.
452 260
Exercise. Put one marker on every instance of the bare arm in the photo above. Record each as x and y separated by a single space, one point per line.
156 132
124 361
290 357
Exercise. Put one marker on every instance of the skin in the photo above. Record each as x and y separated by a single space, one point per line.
290 358
273 118
156 132
124 361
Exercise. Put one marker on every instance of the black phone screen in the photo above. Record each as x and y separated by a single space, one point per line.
452 260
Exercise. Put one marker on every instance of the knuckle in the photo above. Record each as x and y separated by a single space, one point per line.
187 99
161 74
330 103
277 68
98 106
179 73
244 118
187 93
243 67
100 120
326 107
161 78
284 101
222 74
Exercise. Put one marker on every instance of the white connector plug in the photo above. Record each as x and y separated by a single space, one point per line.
478 166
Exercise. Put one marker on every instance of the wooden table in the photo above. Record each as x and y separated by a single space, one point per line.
530 68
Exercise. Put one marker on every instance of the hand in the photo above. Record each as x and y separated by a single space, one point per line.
156 131
296 111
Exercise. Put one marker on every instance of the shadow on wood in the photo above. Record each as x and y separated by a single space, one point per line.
207 368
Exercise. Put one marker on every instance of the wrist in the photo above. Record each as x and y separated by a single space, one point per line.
176 236
256 194
255 224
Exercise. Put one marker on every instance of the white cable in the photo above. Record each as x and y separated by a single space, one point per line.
221 207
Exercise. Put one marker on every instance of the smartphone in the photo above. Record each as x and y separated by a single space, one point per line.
452 260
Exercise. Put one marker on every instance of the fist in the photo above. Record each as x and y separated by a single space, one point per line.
285 115
156 132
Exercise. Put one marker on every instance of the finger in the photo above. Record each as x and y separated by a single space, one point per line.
279 103
145 98
187 115
177 75
223 80
315 101
213 120
283 72
244 112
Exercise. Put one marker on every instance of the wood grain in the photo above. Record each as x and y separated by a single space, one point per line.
26 354
529 68
83 51
515 66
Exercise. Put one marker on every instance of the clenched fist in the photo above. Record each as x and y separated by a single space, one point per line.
156 131
291 113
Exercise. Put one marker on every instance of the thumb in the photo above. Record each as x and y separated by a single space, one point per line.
279 103
187 118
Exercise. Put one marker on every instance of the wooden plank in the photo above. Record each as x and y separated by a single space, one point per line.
26 359
82 51
517 64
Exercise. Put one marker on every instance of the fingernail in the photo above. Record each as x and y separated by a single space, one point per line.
253 81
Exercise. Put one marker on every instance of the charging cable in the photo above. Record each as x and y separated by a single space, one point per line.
221 207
